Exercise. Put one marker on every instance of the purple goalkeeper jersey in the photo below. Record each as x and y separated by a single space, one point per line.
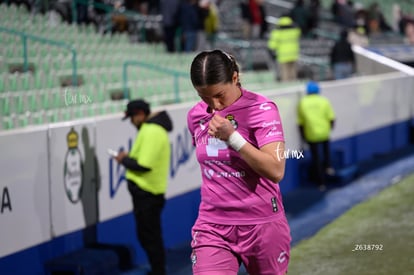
232 192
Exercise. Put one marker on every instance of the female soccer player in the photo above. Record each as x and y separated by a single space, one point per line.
239 143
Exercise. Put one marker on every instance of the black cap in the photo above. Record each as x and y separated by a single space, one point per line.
136 105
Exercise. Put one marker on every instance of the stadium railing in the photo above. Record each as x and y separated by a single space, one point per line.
173 73
25 36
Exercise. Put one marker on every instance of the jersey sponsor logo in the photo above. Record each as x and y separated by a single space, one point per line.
274 133
270 123
282 257
234 174
214 145
209 173
265 106
217 162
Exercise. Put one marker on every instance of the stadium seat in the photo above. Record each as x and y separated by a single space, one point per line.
5 104
8 123
31 101
23 120
38 118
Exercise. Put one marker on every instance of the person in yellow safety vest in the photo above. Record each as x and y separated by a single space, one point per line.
284 43
316 119
211 22
147 170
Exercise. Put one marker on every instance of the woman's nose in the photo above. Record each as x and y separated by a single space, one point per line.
215 104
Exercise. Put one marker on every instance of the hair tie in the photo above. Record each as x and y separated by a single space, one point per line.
227 55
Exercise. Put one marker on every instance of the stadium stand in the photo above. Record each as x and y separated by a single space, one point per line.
41 94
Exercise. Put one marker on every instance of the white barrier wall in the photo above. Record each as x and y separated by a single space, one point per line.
365 104
24 190
41 167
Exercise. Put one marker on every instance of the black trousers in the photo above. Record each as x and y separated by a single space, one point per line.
321 159
169 38
147 212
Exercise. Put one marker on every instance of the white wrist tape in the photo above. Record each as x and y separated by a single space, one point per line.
236 141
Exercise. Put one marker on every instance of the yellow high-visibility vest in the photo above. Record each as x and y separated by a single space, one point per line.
284 40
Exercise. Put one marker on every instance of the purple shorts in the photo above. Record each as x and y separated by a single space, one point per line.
263 249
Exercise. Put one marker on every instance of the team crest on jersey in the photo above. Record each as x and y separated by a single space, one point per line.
232 121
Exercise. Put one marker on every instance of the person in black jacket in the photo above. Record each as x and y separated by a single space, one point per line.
342 58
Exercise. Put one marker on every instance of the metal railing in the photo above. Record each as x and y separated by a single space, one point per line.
25 36
321 63
176 75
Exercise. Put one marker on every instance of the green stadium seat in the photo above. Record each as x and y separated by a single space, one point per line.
93 77
38 117
5 104
23 120
66 113
39 80
101 94
52 80
16 103
32 103
45 64
18 51
3 77
67 63
57 63
117 106
32 49
92 110
52 116
26 82
8 122
45 103
10 50
57 98
90 62
80 111
12 82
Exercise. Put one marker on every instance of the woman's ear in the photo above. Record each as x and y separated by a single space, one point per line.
235 77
